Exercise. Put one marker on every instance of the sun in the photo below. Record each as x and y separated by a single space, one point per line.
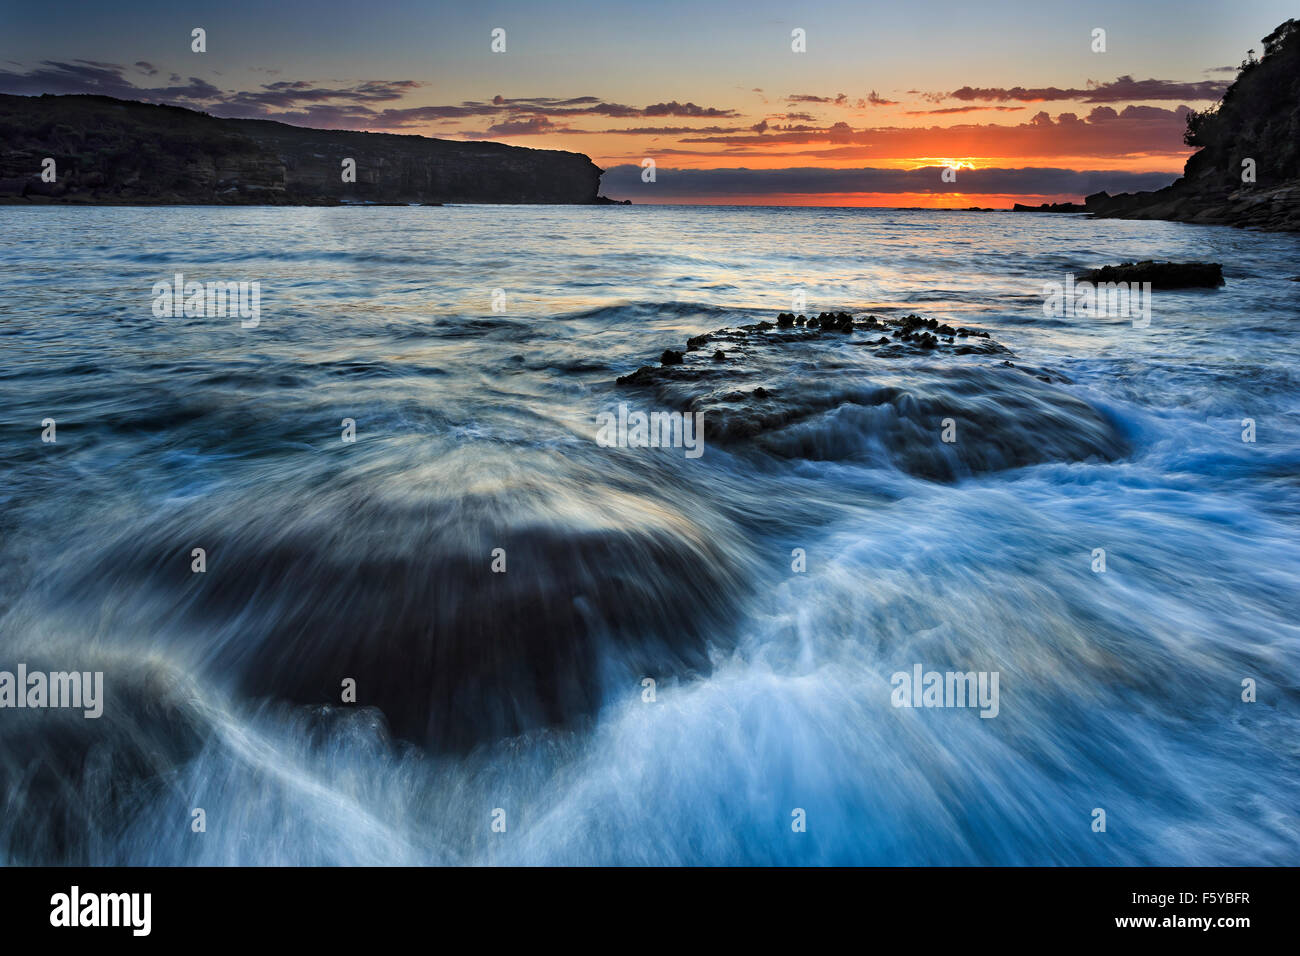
924 161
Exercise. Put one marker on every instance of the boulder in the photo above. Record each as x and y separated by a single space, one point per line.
1161 275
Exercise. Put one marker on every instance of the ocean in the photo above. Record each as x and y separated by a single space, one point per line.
366 583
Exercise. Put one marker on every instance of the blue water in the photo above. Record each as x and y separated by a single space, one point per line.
522 691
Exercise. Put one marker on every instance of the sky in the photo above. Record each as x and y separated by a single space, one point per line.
1011 97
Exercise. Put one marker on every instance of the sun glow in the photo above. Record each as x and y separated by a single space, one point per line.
927 161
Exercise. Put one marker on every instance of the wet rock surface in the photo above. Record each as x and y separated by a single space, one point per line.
452 653
69 778
885 389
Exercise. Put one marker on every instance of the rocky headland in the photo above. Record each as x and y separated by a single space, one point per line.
1247 170
110 151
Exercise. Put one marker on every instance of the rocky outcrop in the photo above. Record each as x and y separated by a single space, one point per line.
1273 210
114 151
1050 207
1161 275
884 391
1247 171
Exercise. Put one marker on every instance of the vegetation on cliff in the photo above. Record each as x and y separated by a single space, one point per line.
1247 170
1258 117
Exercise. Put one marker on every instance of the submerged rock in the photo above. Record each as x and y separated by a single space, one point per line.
401 597
70 780
1161 275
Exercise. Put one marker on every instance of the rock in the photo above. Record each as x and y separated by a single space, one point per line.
864 406
118 151
1053 207
1161 275
645 375
69 779
912 334
453 656
38 187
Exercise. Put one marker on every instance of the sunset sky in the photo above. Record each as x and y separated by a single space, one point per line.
885 95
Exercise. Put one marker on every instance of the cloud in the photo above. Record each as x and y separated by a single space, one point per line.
1136 131
285 94
104 79
540 125
842 100
549 106
676 130
684 109
359 105
809 98
317 116
963 109
1123 89
525 126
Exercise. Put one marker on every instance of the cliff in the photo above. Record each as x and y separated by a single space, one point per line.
115 151
1253 133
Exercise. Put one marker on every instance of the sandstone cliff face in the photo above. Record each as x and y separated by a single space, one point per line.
114 151
1247 171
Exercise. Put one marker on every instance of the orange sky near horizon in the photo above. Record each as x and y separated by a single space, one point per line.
954 201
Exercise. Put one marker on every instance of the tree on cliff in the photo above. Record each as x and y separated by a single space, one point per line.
1258 117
